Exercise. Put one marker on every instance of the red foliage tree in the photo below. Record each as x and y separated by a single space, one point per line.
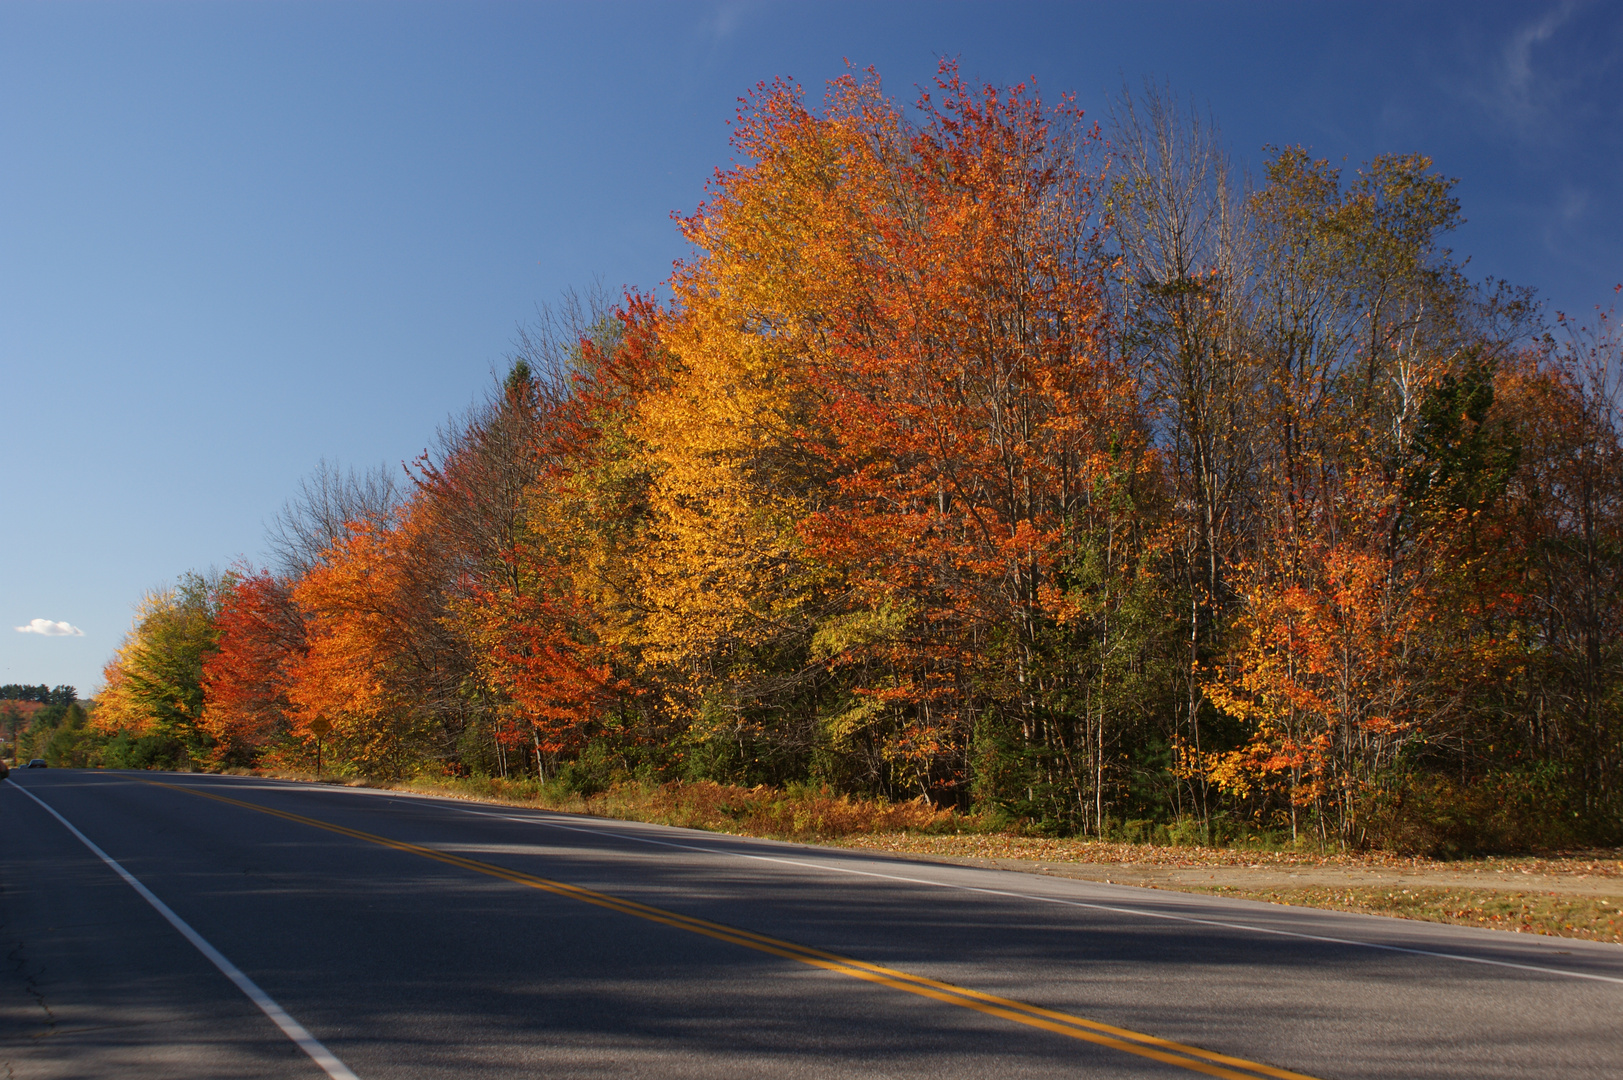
971 415
245 682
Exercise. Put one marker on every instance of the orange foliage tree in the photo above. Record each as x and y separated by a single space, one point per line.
1331 664
383 666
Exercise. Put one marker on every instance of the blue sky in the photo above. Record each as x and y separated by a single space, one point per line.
236 238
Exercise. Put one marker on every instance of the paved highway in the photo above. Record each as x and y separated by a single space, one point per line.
170 925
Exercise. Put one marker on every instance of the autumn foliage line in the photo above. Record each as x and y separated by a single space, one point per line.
983 456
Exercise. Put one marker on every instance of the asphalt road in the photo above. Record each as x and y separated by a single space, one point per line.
422 937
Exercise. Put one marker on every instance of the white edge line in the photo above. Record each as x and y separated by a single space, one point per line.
294 1030
611 828
1113 909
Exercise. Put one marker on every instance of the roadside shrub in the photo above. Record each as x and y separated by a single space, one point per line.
1510 811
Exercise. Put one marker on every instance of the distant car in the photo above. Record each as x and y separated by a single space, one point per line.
38 763
5 770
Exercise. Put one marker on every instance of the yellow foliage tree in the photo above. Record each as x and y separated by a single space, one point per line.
724 567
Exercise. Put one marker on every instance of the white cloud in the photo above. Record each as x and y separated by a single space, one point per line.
50 629
1524 97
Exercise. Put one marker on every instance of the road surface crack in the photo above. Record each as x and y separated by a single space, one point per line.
30 982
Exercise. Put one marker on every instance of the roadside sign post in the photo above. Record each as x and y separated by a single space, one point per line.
319 727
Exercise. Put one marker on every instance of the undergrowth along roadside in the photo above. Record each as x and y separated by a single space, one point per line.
920 829
792 813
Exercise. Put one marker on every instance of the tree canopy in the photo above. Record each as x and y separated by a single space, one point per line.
984 454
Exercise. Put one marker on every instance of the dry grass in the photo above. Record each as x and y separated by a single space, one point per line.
1593 918
1002 845
807 814
764 811
918 828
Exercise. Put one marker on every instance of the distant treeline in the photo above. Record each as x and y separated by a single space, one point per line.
45 695
984 455
57 732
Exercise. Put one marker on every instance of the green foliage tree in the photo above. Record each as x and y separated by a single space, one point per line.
154 688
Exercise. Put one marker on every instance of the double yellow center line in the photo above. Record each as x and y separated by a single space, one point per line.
1192 1058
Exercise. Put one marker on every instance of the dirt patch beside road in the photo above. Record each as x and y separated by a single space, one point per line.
1558 914
1574 895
